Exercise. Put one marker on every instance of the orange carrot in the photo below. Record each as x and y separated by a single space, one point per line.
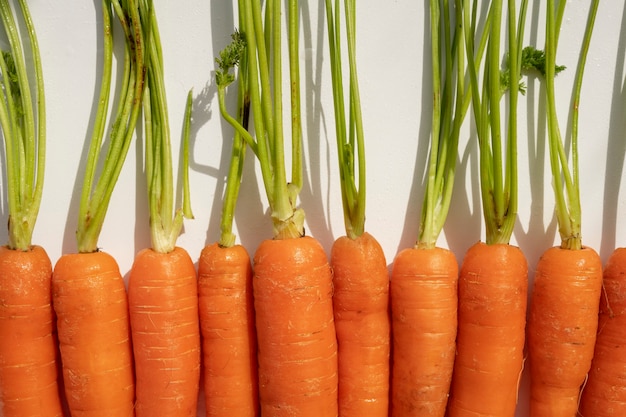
228 334
89 296
492 315
28 369
94 336
568 279
604 392
562 328
361 309
424 322
162 295
297 350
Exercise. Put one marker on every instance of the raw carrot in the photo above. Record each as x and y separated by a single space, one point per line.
604 392
94 335
163 303
360 276
424 311
228 332
424 278
297 349
493 285
562 328
568 279
225 278
89 296
361 310
493 279
28 348
162 283
296 334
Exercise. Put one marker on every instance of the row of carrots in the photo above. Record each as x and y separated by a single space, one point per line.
292 332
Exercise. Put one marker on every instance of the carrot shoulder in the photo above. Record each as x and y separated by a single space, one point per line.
226 311
162 294
94 336
361 310
562 328
424 321
604 393
28 375
493 285
297 350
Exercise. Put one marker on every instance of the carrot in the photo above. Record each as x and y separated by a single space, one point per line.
562 328
228 333
89 296
92 310
604 392
424 312
162 283
163 303
568 279
493 279
292 283
28 348
361 311
424 278
28 374
225 278
492 316
360 276
296 334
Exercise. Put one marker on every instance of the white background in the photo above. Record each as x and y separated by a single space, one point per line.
394 70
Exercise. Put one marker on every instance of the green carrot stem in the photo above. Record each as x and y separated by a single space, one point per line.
96 193
24 134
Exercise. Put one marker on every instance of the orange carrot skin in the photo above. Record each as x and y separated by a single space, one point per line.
91 305
604 393
228 334
297 346
362 323
493 291
28 347
424 320
163 303
562 328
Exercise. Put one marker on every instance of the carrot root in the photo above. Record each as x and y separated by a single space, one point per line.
226 312
562 328
361 309
28 346
297 347
90 302
163 302
424 321
493 288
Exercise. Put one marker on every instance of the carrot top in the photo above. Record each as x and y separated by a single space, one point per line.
498 164
450 103
565 178
98 185
24 131
164 227
233 55
263 51
350 142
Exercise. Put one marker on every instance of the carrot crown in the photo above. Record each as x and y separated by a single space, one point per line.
165 227
97 190
565 178
350 140
498 165
24 131
450 103
264 77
